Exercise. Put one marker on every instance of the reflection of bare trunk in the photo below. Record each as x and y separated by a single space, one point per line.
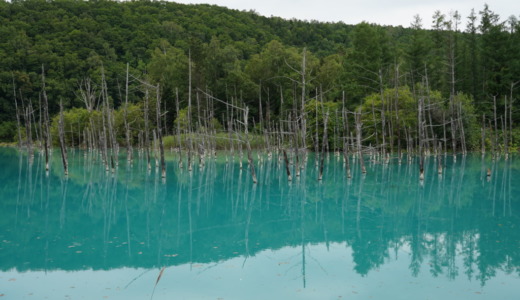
287 170
250 205
127 215
64 184
358 207
302 230
508 192
504 189
190 191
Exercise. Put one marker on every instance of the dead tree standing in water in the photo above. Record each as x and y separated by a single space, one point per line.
45 129
159 132
248 145
62 141
358 138
127 126
324 144
18 123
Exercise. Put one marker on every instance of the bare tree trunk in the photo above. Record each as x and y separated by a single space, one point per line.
383 116
421 137
178 129
249 156
260 119
62 141
358 138
190 149
37 131
200 130
483 134
461 126
452 124
375 123
317 136
147 129
345 136
511 113
296 146
108 125
439 162
28 128
493 142
125 117
504 130
304 83
495 117
45 130
445 139
159 133
322 159
18 123
503 134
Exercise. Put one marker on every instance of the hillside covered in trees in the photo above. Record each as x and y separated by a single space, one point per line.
459 77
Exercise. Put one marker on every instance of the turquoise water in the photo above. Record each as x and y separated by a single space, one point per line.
383 235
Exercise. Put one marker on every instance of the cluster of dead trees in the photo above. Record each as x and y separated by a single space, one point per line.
376 129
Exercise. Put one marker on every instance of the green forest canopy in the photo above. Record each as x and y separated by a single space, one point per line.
239 54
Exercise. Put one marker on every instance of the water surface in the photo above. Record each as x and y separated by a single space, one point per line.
383 235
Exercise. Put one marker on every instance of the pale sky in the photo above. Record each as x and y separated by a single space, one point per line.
383 12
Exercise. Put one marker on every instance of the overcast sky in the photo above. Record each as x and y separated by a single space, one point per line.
384 12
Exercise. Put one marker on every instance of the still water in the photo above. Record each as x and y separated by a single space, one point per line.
216 235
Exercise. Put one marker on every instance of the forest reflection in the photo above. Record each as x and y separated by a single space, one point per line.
133 218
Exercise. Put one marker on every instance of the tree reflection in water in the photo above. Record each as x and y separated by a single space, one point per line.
133 219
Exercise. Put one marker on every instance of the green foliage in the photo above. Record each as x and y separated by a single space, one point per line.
75 121
245 58
135 120
317 112
181 123
406 117
368 55
221 140
515 143
406 112
168 67
7 131
469 120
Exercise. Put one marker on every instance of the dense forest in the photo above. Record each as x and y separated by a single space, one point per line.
454 85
